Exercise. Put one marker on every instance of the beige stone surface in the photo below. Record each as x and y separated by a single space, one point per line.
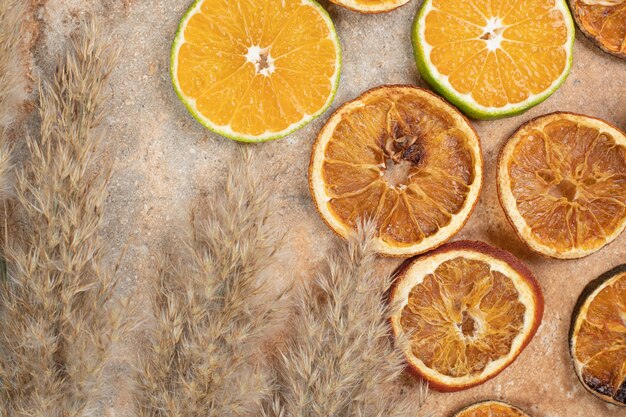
163 159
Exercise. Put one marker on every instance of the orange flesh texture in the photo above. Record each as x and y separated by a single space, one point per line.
213 69
401 161
605 23
601 342
569 182
462 317
530 57
491 410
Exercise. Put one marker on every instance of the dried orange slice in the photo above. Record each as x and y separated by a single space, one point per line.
604 22
562 183
403 157
256 70
491 409
598 336
371 6
468 309
494 58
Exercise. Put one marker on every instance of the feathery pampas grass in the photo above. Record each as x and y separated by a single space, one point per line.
11 13
339 360
214 309
58 311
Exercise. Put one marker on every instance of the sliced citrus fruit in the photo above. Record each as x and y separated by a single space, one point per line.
403 157
598 336
491 409
256 70
468 310
494 58
604 22
562 183
371 6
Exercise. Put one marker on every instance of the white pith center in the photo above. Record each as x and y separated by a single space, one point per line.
261 59
493 33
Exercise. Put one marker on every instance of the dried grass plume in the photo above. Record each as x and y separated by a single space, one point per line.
11 20
213 308
339 360
58 310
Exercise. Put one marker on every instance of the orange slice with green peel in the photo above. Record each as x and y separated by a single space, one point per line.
401 156
598 336
604 22
494 58
562 183
256 70
371 6
468 310
491 409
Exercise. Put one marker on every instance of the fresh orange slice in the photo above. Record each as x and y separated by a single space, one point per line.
371 6
598 336
604 22
562 183
256 70
491 409
494 58
468 309
403 157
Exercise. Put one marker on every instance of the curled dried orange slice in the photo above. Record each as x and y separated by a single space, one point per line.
370 6
468 309
604 22
562 183
598 336
491 409
403 157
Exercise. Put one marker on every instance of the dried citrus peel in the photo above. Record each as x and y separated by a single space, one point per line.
598 336
561 182
469 310
604 22
403 157
491 409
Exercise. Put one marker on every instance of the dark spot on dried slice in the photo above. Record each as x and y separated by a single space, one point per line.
413 154
597 385
468 325
620 395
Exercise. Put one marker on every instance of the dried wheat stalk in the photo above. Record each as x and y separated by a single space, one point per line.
339 360
11 15
58 312
212 310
